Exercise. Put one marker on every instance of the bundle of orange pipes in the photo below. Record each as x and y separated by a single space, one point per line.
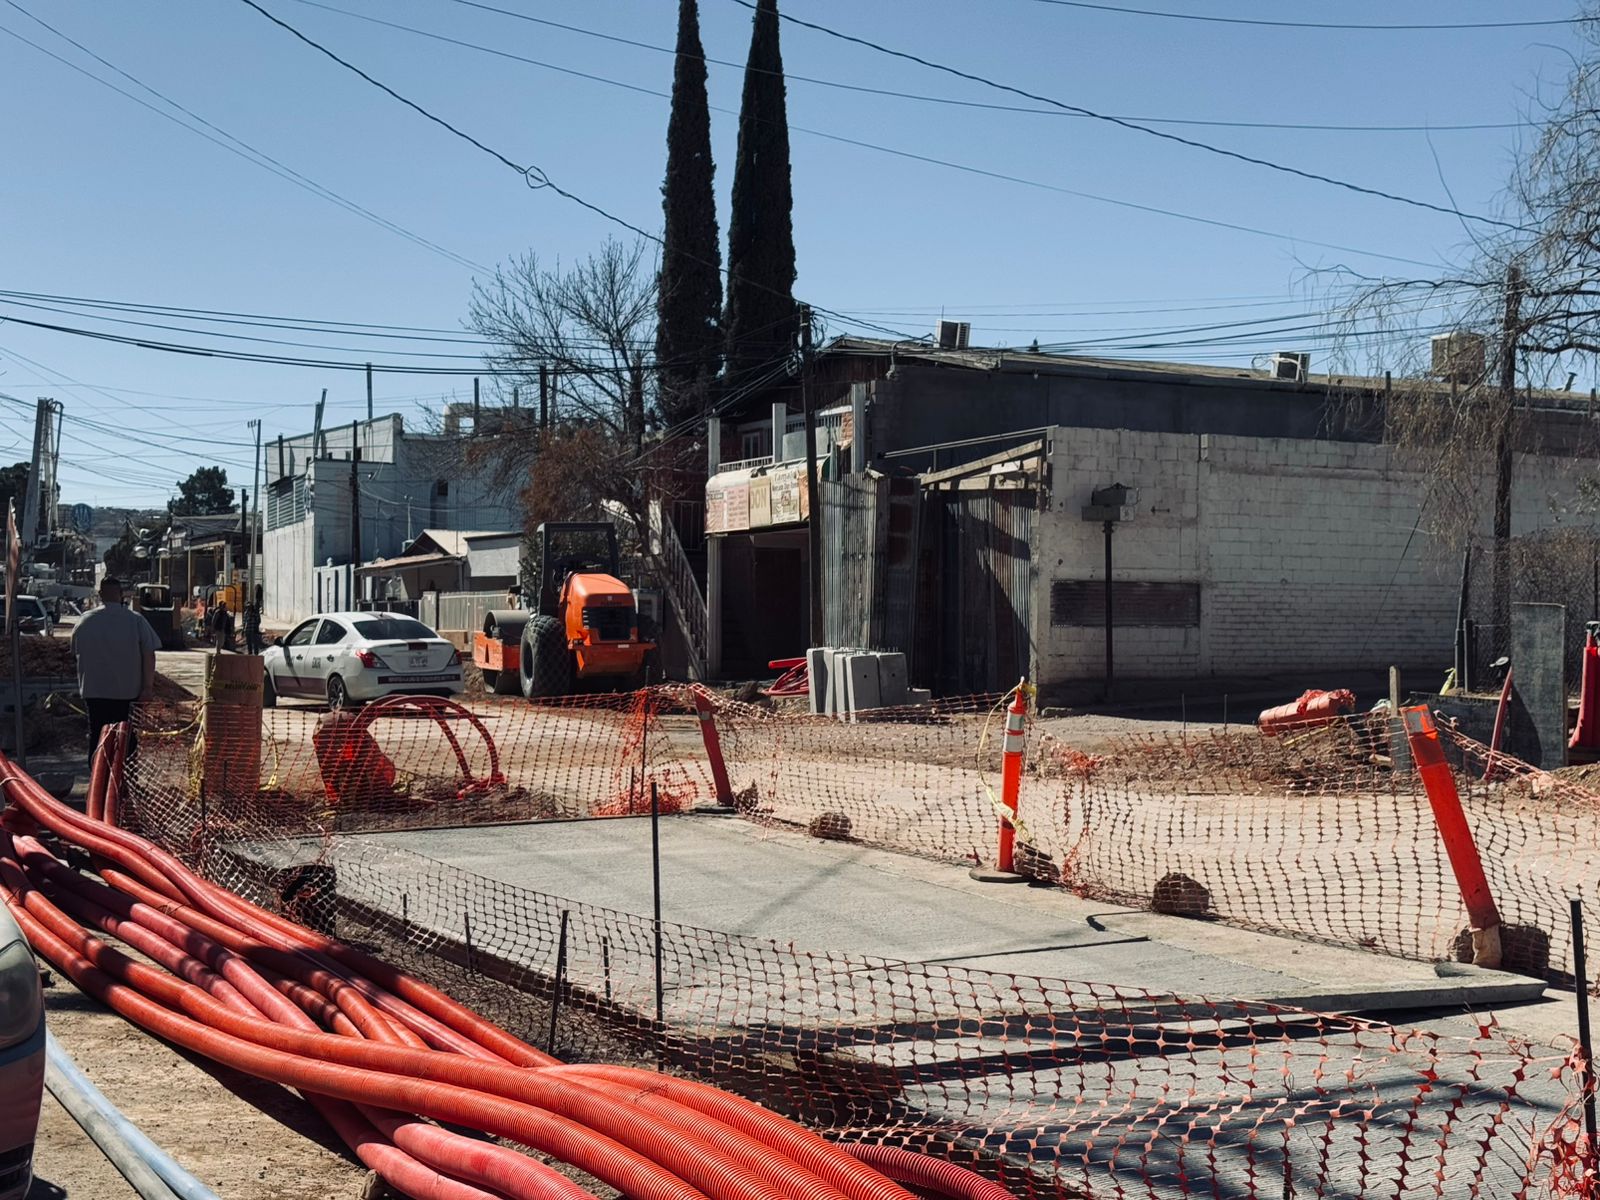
384 1056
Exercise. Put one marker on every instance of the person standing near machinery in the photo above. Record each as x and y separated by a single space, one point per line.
221 622
252 625
116 651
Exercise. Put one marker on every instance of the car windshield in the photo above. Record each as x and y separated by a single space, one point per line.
393 629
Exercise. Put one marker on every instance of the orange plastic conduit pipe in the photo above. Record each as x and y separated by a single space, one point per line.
274 964
443 1066
493 1165
496 1166
621 1168
436 1017
749 1153
397 1165
414 1178
928 1173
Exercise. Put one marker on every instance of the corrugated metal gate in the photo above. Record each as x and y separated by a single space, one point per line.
871 536
982 581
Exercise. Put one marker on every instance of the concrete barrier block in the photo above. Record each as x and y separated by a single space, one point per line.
861 682
819 663
839 705
893 687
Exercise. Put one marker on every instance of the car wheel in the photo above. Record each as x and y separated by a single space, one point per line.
269 692
546 663
338 694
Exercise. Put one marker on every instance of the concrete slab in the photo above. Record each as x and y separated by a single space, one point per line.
720 872
1539 678
839 689
861 681
893 687
819 662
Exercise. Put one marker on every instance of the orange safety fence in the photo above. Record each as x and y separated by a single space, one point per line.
1325 834
1053 1088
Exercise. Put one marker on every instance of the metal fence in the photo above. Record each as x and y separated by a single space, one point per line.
464 610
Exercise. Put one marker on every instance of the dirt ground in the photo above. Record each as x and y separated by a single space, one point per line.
245 1139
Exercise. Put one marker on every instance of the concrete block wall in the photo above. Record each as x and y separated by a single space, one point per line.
1309 554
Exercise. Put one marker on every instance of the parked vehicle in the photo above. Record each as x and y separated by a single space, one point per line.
32 616
350 657
21 1059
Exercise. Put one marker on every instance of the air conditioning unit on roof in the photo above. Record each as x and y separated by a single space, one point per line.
1458 356
954 335
1291 365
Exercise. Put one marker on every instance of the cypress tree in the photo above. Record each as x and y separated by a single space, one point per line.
761 319
689 296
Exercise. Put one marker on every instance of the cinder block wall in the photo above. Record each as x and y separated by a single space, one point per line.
1299 547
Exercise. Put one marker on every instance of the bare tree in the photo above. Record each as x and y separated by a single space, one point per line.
1525 310
591 327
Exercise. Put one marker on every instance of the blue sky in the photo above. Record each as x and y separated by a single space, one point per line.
105 199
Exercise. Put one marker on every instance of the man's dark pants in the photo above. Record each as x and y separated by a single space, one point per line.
107 712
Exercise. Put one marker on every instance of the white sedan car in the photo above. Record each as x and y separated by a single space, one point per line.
21 1059
349 657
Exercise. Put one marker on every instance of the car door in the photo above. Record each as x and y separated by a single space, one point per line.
324 650
295 678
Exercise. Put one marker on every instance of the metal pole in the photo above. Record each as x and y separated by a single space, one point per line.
1462 669
1580 979
255 513
655 875
560 981
1110 525
355 517
369 393
819 633
16 679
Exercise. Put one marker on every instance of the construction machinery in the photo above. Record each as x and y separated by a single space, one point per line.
581 628
154 600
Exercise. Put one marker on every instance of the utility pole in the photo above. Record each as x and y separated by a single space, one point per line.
819 632
1505 405
253 532
369 393
544 402
249 559
355 514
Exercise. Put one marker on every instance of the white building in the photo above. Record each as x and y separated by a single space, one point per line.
400 484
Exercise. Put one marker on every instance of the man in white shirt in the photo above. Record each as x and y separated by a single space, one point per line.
116 649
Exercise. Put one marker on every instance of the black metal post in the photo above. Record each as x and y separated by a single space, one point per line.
1463 669
466 924
1580 979
808 400
605 965
655 872
559 983
405 909
1110 525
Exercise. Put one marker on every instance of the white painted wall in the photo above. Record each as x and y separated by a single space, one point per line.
1310 554
397 475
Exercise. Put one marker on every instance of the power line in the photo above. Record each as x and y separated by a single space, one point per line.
534 176
1182 16
239 147
1123 123
924 98
866 145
